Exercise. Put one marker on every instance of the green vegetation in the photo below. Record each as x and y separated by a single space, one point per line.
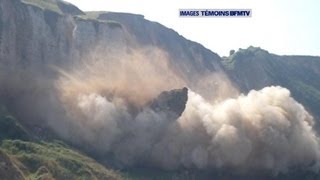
22 158
255 68
307 91
52 5
53 161
228 62
94 16
113 24
44 4
307 95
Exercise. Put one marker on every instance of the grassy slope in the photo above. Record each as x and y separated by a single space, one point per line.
53 160
23 157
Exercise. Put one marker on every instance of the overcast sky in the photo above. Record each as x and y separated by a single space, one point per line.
286 27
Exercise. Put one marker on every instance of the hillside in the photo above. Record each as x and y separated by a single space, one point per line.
104 95
26 156
255 68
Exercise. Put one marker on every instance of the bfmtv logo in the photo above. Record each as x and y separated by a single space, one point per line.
215 13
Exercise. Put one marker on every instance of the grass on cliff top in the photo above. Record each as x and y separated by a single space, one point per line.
94 16
44 4
52 5
53 161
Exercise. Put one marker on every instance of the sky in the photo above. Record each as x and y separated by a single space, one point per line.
284 27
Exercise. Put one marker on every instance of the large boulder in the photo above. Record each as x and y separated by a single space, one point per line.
173 102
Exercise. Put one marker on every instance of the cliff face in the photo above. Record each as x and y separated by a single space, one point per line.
35 37
36 34
40 40
188 58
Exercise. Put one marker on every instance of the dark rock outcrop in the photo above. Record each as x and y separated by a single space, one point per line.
173 102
